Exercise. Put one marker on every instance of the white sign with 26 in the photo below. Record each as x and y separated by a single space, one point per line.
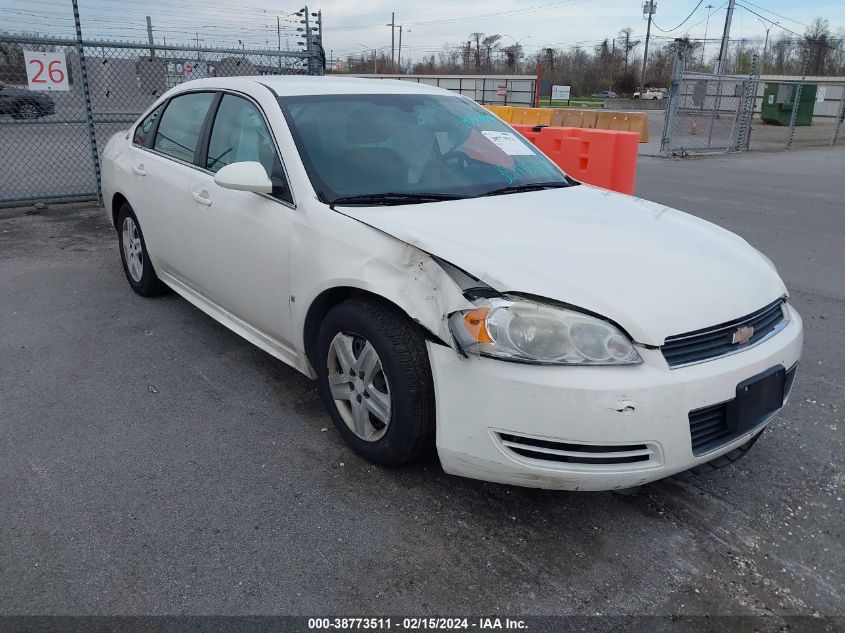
46 71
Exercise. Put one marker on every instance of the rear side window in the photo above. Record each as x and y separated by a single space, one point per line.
179 130
145 127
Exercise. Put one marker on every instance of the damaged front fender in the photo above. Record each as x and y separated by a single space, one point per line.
371 261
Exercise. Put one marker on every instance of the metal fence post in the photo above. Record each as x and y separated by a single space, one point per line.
794 117
749 98
840 116
89 115
674 96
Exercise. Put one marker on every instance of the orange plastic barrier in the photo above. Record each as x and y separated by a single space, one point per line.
531 116
627 121
639 124
573 117
537 116
604 119
604 158
503 112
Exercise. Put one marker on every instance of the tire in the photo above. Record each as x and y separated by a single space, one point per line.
723 461
399 376
28 110
137 267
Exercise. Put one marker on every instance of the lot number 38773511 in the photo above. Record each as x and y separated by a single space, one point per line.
46 71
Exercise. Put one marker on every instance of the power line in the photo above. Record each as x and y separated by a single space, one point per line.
682 23
777 14
802 37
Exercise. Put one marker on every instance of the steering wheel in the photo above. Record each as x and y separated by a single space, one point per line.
451 159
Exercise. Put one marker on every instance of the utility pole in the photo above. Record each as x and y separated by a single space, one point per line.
649 8
150 36
612 63
627 48
279 36
310 38
723 49
709 8
392 26
766 42
399 55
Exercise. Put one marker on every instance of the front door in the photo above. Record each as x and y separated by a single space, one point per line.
240 241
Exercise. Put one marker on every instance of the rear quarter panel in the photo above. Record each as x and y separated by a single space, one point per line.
116 171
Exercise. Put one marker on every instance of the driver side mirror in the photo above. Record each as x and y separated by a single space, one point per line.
244 176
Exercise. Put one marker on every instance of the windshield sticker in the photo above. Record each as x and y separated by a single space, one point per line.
508 143
425 115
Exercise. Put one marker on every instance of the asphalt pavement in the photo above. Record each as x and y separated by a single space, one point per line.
152 462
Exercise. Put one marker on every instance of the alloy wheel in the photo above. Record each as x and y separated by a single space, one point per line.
133 251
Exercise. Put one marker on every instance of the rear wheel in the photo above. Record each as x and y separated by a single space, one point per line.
374 377
133 254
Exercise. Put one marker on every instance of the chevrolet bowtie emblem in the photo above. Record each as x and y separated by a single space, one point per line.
743 335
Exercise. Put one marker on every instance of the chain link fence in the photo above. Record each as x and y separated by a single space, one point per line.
51 140
709 113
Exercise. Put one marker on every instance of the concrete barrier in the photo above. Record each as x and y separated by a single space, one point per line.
635 104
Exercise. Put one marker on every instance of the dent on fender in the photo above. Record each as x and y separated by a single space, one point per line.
412 277
408 276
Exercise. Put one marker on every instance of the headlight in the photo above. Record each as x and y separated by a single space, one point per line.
526 331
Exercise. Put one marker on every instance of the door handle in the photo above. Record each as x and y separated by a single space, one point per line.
139 169
201 197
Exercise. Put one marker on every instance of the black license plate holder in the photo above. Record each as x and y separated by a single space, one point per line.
756 398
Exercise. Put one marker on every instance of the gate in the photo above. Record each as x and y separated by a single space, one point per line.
51 141
709 113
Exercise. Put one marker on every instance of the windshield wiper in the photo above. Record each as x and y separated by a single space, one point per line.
394 198
532 186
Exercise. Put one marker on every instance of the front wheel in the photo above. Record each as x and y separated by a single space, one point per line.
375 379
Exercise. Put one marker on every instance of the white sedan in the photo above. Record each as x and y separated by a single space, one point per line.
447 285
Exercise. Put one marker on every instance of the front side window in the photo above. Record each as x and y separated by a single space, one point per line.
410 144
145 127
240 134
179 130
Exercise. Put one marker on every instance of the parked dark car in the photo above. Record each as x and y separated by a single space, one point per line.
604 94
24 104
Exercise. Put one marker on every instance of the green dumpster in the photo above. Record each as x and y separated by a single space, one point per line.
779 100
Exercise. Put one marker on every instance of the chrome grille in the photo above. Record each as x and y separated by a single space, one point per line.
710 343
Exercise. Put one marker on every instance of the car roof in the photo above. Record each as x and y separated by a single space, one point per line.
290 85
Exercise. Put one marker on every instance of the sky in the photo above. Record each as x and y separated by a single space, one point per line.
354 27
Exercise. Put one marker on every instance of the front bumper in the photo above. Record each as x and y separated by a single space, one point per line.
640 413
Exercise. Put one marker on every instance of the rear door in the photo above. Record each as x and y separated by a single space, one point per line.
163 166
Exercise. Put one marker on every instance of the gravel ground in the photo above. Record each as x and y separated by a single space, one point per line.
151 462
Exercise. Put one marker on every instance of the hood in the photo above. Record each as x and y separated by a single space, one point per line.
653 270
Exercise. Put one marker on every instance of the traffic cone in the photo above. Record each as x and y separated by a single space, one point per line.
694 129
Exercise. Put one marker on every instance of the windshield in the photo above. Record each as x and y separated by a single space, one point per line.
405 145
